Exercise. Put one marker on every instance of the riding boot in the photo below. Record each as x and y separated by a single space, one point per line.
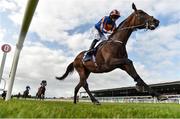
87 55
93 44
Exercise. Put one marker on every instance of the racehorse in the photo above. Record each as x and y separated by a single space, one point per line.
4 94
26 92
112 54
41 92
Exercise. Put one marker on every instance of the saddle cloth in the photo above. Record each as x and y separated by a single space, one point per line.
90 55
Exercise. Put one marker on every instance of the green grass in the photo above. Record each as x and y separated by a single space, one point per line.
53 109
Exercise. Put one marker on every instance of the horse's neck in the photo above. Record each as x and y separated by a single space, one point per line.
42 88
122 34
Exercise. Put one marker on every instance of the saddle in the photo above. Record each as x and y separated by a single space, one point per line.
90 55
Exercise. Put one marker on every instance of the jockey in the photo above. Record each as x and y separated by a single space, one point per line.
105 26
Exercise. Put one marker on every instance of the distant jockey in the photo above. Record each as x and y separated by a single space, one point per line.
106 25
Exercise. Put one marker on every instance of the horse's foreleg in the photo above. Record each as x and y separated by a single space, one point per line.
86 87
141 85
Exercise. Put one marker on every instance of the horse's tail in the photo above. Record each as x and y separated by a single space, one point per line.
69 69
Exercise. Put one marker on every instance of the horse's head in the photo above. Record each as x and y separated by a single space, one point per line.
143 20
28 88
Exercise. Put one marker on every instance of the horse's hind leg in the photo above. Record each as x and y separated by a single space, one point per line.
86 87
83 76
76 91
141 85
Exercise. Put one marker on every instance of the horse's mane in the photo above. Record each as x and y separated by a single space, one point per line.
121 24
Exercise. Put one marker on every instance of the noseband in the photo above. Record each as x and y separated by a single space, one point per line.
146 21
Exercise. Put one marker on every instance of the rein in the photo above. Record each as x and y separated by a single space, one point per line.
125 28
132 27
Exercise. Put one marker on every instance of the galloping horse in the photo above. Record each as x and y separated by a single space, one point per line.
26 92
4 94
112 54
41 92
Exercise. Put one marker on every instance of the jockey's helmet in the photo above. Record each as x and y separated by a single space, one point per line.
114 14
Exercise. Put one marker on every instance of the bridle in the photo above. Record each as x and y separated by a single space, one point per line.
146 23
139 17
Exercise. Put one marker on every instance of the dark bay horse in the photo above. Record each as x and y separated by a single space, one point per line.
41 92
4 94
112 54
26 92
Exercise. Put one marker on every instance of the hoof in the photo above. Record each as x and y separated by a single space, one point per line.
162 98
140 88
96 103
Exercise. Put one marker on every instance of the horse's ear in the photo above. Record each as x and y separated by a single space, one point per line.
134 7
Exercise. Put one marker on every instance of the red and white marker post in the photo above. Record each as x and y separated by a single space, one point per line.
5 48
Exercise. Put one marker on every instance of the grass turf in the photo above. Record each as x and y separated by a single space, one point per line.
54 109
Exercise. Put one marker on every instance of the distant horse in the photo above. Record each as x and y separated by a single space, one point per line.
41 92
18 95
112 54
4 95
26 92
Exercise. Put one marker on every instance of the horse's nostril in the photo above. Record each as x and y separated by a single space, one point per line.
157 22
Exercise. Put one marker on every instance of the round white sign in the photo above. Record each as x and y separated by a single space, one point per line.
6 48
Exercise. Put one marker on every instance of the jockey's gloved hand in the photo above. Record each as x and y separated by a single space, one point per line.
109 32
106 36
105 31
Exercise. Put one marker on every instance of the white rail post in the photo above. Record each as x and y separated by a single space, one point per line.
30 8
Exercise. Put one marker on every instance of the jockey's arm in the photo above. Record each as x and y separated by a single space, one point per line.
103 30
110 31
102 25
